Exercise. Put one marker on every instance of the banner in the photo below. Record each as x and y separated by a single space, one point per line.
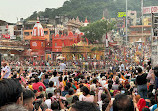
149 10
7 36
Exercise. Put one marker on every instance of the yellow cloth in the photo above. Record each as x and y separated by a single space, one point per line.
30 87
64 82
123 77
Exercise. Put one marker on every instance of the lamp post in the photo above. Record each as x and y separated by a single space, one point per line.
126 22
142 4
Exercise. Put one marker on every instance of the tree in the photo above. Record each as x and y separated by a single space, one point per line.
96 30
93 9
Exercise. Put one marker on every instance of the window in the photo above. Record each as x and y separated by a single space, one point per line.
45 32
55 44
52 32
132 13
26 33
63 45
60 32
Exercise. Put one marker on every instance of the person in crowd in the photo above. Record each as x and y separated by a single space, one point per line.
40 103
74 100
5 71
116 84
141 82
55 106
69 96
156 76
61 84
10 92
13 107
55 79
87 97
51 88
151 78
100 103
48 101
28 99
46 81
123 103
62 66
65 92
41 90
108 90
37 84
84 106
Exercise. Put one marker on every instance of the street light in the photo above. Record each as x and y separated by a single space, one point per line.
126 22
142 4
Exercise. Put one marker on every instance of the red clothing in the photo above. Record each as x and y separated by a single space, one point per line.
36 86
141 104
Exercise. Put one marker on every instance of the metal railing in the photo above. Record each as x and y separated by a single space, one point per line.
69 68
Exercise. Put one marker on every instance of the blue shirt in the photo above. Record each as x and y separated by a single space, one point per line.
154 107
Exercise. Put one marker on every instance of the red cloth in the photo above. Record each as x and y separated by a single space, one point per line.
141 104
36 86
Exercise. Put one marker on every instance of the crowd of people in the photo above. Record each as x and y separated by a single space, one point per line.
121 88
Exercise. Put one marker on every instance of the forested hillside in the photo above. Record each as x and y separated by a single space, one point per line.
92 9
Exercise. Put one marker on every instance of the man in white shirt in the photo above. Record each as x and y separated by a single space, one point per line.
55 79
62 67
5 71
48 101
103 81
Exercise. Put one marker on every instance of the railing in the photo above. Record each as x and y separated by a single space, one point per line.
69 68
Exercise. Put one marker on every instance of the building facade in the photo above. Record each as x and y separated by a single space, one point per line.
135 33
28 34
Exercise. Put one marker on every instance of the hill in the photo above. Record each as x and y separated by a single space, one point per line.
92 9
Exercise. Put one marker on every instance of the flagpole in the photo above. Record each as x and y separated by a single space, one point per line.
142 16
142 4
126 22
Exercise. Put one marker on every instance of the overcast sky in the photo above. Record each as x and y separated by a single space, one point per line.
10 10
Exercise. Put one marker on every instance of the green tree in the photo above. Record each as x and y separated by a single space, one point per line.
93 9
96 30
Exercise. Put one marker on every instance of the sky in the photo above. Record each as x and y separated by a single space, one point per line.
10 10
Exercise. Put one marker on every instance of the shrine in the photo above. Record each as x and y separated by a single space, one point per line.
37 42
84 51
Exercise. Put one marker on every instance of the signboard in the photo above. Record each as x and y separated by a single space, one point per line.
149 10
121 14
7 36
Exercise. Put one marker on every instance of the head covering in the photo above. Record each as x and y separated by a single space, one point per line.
141 104
137 97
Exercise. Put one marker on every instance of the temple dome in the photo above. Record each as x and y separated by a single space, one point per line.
38 30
